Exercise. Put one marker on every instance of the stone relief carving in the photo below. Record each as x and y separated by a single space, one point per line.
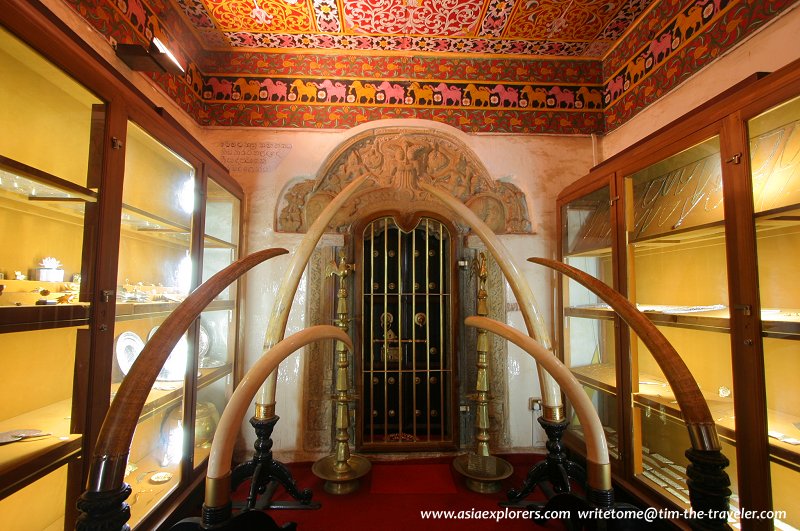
499 429
398 160
318 372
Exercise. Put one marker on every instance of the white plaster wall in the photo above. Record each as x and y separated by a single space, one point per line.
774 46
539 165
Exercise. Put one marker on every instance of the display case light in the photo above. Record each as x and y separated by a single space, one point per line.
155 58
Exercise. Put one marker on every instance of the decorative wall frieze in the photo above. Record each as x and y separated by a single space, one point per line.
398 160
691 38
555 91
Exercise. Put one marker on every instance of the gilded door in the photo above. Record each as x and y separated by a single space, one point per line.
406 364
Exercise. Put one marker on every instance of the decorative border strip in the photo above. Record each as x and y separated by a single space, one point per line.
736 21
304 115
461 94
688 24
290 42
565 71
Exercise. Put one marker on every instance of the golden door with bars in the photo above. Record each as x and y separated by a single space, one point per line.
406 368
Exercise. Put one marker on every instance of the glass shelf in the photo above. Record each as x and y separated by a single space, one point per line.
141 222
30 184
145 310
165 394
37 452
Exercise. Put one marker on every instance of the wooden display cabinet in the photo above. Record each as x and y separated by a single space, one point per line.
138 214
169 243
47 210
698 225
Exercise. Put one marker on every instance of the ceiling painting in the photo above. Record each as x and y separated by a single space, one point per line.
573 28
246 16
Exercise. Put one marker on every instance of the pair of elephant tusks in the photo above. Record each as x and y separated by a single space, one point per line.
218 476
116 434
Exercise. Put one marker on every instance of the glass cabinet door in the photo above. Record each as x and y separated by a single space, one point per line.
775 164
218 323
676 260
588 327
48 194
155 274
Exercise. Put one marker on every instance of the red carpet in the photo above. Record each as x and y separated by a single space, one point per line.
392 496
393 479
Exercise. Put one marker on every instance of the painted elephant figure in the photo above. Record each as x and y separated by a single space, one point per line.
479 96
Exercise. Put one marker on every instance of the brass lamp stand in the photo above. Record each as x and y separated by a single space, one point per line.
483 471
341 470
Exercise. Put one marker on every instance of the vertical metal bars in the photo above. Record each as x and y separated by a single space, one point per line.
406 358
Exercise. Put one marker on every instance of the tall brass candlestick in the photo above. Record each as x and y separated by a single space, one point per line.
482 381
341 470
482 470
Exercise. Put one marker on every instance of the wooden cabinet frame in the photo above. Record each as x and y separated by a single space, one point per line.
35 25
725 116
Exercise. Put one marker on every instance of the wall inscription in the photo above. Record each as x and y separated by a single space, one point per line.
252 157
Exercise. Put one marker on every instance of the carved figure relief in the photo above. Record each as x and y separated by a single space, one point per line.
398 160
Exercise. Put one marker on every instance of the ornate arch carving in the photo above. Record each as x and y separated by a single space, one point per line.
398 159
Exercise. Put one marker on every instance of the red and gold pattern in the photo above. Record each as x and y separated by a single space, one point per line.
474 93
243 16
579 20
542 27
444 18
731 22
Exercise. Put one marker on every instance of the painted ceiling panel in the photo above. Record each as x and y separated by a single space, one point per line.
570 28
249 16
446 18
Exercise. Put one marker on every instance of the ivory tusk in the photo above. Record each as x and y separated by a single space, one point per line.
219 461
113 443
551 395
599 468
694 409
291 279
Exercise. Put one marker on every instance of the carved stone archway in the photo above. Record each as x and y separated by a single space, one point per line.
398 159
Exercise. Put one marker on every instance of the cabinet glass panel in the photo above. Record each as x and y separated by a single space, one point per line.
155 274
677 276
36 405
589 348
775 162
47 213
217 339
24 510
47 117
